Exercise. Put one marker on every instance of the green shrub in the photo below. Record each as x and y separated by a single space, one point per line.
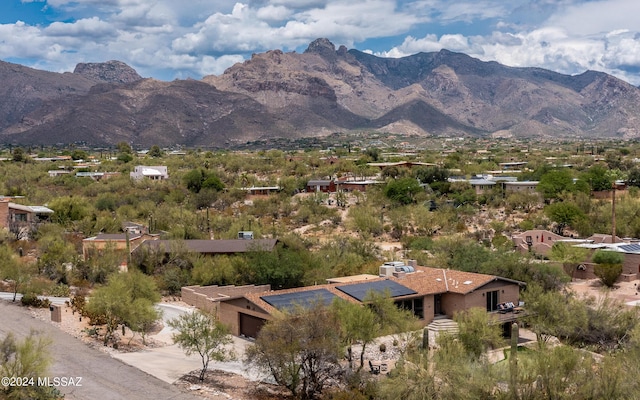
32 300
607 273
608 266
59 290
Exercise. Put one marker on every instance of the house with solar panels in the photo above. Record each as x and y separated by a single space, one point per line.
430 293
630 266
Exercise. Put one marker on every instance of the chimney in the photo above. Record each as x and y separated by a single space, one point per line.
399 274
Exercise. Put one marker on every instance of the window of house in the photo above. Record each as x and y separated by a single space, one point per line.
414 305
492 300
20 217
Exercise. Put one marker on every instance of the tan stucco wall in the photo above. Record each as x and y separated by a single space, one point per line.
4 214
229 313
428 307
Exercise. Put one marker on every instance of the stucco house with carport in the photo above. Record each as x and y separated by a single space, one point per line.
430 293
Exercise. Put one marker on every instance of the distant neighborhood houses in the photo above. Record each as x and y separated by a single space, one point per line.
482 184
136 239
336 185
540 242
261 190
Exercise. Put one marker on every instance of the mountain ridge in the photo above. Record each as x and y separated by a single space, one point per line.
314 93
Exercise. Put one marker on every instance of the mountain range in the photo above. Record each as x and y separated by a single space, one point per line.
315 93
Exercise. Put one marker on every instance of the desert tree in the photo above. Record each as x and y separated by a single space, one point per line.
478 331
450 372
127 299
608 266
403 191
155 151
198 332
552 313
358 325
564 214
300 349
568 255
554 183
17 273
28 359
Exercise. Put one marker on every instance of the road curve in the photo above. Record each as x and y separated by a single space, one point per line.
103 377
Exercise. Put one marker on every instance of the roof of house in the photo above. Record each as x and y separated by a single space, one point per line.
316 182
363 183
151 171
31 209
400 163
603 238
475 182
112 237
521 183
424 281
215 246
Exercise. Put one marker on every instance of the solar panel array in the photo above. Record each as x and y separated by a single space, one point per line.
304 299
359 291
631 248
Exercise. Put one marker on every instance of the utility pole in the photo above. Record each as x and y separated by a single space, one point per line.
613 212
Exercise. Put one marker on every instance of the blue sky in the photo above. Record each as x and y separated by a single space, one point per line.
169 39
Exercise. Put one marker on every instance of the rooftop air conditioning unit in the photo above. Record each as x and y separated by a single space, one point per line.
245 235
394 263
387 270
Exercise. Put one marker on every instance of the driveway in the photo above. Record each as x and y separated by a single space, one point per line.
169 363
103 377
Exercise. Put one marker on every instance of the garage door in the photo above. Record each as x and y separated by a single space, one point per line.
250 325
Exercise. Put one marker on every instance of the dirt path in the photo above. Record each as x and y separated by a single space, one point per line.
103 377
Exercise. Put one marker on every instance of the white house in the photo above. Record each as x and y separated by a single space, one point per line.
155 173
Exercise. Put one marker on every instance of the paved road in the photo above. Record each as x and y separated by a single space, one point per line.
103 377
53 300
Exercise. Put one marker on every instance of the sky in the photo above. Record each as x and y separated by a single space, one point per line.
178 39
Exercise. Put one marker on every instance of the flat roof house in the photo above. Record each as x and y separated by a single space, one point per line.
155 173
321 185
521 186
19 218
117 242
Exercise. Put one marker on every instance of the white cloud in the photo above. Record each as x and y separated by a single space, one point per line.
273 13
81 29
597 17
203 36
246 29
472 11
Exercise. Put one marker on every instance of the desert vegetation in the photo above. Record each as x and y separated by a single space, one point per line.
417 213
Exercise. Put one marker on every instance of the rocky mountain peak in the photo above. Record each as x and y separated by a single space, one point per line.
323 47
108 72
